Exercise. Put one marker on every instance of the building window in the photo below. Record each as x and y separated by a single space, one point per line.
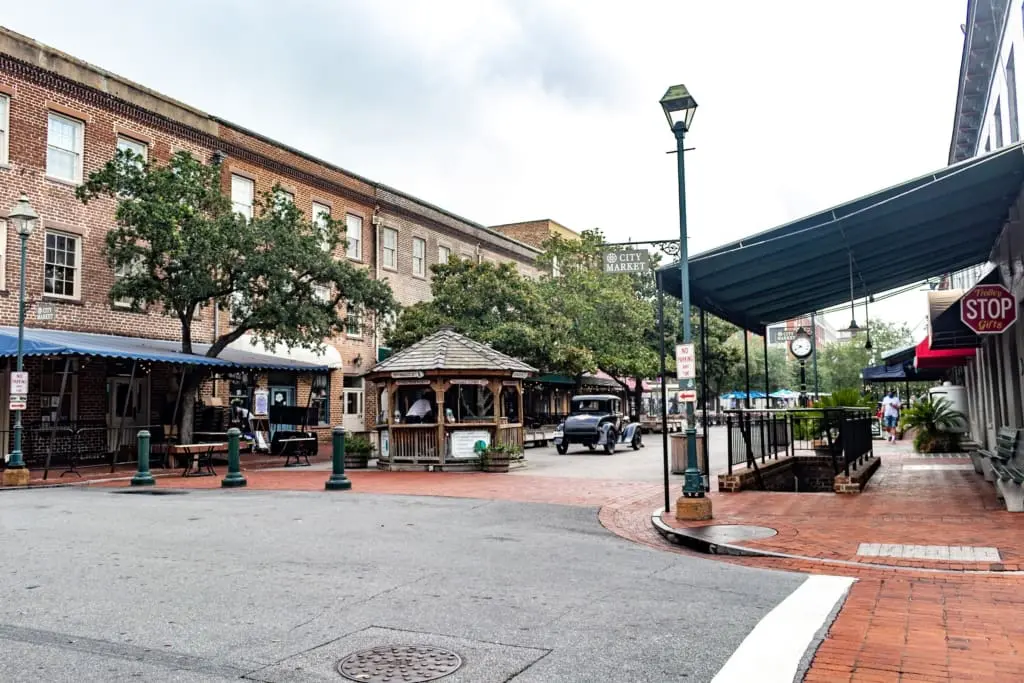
62 265
419 256
443 254
124 270
283 196
324 402
321 214
242 194
353 322
137 148
3 254
5 122
988 143
55 408
64 148
322 293
354 237
997 123
353 387
1011 98
390 255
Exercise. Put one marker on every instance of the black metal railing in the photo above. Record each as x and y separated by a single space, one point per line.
842 434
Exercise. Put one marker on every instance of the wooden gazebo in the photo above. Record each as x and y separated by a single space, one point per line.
442 396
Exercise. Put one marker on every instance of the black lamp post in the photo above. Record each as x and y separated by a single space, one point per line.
24 218
679 107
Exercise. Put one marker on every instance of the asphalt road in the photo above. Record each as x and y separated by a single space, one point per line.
625 464
278 586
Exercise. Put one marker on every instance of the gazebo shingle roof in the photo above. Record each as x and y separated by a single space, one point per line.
449 350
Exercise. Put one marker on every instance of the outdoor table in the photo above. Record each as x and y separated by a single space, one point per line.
205 437
200 461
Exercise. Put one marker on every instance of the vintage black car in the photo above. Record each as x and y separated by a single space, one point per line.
595 420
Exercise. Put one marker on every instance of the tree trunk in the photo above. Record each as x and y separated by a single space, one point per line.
187 409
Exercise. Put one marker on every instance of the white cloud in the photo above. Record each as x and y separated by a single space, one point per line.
506 110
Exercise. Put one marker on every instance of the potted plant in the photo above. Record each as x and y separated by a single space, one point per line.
358 451
496 457
934 423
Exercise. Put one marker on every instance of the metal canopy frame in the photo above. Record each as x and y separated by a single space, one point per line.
940 222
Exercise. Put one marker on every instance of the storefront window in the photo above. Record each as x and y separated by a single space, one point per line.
52 406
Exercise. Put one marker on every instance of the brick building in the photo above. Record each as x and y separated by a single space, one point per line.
61 119
536 233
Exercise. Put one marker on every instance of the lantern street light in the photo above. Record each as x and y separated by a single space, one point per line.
24 218
679 107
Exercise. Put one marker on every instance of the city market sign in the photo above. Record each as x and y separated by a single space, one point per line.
627 261
988 309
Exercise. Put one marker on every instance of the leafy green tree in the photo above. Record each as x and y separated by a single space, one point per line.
495 305
840 363
180 246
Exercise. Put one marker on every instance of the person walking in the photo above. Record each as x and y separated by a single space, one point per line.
891 413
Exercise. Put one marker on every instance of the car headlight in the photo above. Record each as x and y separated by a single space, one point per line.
560 428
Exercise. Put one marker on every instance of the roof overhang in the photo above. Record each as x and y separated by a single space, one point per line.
937 223
941 359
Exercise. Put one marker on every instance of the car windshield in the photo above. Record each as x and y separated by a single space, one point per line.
591 406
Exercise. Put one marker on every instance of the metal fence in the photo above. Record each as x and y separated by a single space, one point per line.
756 436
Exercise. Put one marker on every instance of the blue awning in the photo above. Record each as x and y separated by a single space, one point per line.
900 372
39 342
938 223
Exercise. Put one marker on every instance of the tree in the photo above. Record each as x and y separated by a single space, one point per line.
180 246
840 363
723 356
613 316
495 305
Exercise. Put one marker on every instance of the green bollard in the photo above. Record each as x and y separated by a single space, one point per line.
143 477
234 477
338 480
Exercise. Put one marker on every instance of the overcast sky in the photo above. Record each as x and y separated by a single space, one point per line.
509 110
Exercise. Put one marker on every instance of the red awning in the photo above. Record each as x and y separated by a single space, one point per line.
926 358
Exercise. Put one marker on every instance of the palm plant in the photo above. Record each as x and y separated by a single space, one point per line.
934 422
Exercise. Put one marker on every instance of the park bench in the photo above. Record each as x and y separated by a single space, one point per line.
198 457
1007 441
297 445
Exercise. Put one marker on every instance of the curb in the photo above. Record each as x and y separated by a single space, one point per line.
678 537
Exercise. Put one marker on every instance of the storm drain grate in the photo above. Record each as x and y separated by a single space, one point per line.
399 664
151 492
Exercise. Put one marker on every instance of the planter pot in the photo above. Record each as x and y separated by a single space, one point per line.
356 461
495 465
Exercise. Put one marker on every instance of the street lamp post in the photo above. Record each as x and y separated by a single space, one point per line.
24 218
679 107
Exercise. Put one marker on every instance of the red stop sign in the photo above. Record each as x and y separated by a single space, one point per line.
988 309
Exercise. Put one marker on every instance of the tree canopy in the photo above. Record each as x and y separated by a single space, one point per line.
178 245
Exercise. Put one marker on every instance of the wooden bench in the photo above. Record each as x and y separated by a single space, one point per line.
1010 484
199 457
1007 441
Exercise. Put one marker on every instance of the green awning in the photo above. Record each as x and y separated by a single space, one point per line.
938 223
553 379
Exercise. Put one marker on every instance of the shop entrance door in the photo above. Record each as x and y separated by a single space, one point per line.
133 405
282 396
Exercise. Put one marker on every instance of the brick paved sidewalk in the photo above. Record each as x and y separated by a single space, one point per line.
911 501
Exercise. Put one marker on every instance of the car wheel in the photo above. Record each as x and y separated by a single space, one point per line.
609 444
562 448
636 443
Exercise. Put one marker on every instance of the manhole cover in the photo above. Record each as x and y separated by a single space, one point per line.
151 492
730 533
399 664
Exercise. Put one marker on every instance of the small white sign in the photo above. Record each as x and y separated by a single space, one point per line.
19 402
463 442
46 311
686 362
407 374
19 384
688 396
259 402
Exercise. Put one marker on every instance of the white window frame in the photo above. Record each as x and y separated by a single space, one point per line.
5 129
282 195
137 146
240 207
77 282
320 211
77 145
3 254
354 236
122 271
353 315
419 260
444 253
386 250
321 293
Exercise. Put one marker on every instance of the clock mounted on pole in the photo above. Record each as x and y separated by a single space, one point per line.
801 347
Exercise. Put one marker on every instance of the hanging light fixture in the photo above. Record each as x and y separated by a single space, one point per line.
853 328
867 323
